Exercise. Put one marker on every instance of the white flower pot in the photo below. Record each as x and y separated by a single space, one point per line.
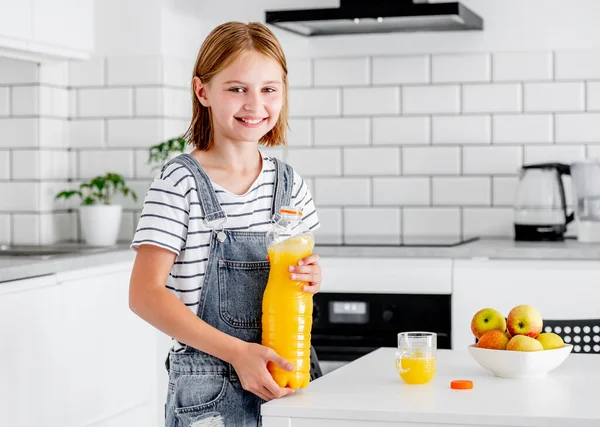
100 224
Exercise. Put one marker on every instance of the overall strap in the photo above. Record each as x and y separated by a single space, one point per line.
284 184
206 193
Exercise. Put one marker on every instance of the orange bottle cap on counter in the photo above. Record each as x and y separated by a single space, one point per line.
461 384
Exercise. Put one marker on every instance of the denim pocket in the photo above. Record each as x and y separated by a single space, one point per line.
241 289
197 396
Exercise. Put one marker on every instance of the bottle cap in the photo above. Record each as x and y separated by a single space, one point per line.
461 384
288 210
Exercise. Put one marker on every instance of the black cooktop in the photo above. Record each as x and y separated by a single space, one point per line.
408 241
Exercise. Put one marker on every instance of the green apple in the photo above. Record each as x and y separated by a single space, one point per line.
485 320
524 343
550 340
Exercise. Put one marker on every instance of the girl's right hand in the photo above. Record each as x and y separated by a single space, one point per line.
250 365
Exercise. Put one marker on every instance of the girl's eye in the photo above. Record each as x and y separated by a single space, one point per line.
269 89
236 89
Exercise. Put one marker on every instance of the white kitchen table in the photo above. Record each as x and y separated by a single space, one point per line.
369 392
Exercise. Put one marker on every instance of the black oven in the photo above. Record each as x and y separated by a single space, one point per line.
347 326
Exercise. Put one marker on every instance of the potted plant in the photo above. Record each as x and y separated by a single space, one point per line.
160 153
100 220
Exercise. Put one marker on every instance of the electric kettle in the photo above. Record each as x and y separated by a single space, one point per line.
540 206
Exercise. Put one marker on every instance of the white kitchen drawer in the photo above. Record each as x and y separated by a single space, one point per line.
387 275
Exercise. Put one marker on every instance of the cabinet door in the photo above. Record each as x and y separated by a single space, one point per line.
64 24
558 289
15 19
31 353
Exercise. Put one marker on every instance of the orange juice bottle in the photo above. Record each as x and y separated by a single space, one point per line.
287 309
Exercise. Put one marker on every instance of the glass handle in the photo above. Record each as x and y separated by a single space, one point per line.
399 356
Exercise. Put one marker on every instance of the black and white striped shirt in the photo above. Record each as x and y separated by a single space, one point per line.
172 218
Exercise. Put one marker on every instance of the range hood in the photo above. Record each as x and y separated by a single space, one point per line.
376 16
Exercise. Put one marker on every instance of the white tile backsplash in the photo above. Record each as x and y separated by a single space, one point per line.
107 102
504 189
578 128
563 96
53 133
177 103
316 162
576 65
5 228
522 66
341 72
402 191
400 69
593 96
372 101
331 229
461 129
4 101
300 132
431 160
553 153
401 130
19 132
523 129
493 98
342 191
138 70
299 72
148 101
491 160
136 132
371 161
456 68
25 100
431 222
26 228
488 222
18 72
19 196
314 102
86 133
5 164
94 162
431 99
87 73
372 225
344 131
462 190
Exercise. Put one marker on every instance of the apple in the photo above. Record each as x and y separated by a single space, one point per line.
524 320
493 340
524 343
508 334
550 340
485 320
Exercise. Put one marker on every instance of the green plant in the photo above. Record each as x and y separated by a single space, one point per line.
99 190
160 153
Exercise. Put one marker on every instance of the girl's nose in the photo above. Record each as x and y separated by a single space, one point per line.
252 102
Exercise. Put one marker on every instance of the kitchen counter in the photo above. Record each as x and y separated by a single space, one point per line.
369 392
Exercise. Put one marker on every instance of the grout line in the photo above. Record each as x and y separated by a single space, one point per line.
553 115
491 190
312 133
491 62
133 101
553 78
585 97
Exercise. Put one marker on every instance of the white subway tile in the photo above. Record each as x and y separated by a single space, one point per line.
105 102
172 128
93 163
20 132
15 71
371 161
128 226
342 191
87 73
300 132
26 229
523 128
4 101
496 98
554 153
582 64
148 101
593 152
316 161
58 227
574 128
54 101
431 222
461 191
314 102
342 131
133 132
5 228
430 99
341 71
86 133
401 69
593 96
554 96
299 72
372 225
142 168
401 191
178 72
54 73
25 100
488 222
53 133
460 68
5 163
140 187
54 164
134 70
491 160
376 100
522 66
19 196
461 130
25 164
73 94
504 190
331 226
401 130
48 191
177 103
430 160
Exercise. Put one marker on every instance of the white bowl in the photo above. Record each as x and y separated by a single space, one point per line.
520 364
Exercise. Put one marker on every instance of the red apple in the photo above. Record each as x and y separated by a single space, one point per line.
524 343
524 320
493 340
485 320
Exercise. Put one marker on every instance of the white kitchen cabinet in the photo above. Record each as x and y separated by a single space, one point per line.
47 29
560 290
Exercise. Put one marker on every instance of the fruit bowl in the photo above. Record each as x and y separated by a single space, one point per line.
519 364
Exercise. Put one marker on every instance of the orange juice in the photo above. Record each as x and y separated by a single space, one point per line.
287 312
417 369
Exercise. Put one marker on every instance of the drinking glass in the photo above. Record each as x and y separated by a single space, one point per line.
416 356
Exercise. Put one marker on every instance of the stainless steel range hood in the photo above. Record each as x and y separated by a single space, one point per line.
376 16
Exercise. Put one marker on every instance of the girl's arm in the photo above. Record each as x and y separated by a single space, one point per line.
153 302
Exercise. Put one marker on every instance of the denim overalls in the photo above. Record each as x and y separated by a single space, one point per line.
204 390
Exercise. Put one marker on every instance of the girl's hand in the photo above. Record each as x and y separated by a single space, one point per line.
250 364
308 270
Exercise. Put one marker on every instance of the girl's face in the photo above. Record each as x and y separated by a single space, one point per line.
245 98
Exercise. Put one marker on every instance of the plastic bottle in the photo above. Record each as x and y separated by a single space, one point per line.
287 309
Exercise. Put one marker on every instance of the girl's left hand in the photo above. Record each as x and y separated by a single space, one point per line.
308 270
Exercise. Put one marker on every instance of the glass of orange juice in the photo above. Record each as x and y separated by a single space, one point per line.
416 356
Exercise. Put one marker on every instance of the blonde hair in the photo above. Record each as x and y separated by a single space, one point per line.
225 44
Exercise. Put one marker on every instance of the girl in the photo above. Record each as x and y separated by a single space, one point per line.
200 269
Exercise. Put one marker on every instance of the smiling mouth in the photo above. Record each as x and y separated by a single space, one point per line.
251 121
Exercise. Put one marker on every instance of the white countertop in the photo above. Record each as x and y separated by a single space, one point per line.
370 389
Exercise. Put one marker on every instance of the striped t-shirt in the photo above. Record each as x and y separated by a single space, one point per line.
172 218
